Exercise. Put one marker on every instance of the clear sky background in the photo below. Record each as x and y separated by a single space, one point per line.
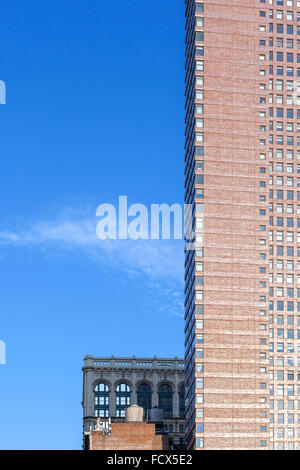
95 109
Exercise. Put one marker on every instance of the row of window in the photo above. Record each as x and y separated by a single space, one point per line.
290 85
280 43
281 347
280 113
280 208
281 433
285 446
279 56
281 15
282 222
281 167
281 71
280 375
288 319
282 291
282 361
285 306
289 140
282 29
144 399
289 154
280 126
282 405
288 3
280 194
282 418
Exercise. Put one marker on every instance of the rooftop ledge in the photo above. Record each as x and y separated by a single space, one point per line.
134 362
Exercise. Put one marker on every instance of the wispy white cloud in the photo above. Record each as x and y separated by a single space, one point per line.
157 263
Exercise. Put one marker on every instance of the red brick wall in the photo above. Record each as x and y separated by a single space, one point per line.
129 436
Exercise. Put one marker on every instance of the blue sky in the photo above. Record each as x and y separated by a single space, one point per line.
95 109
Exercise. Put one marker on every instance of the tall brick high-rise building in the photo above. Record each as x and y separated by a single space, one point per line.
243 178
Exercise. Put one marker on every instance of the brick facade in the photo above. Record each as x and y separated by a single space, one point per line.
225 130
129 436
242 174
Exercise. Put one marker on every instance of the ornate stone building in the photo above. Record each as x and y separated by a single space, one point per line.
111 384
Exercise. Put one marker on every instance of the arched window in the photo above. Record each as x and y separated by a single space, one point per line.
144 396
123 399
165 400
181 402
101 399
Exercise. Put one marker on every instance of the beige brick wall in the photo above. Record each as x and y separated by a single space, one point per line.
232 363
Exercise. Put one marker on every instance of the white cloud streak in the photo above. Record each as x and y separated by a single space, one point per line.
158 264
